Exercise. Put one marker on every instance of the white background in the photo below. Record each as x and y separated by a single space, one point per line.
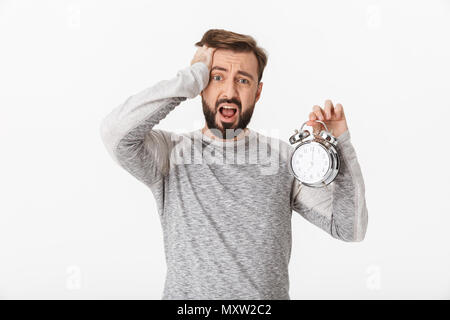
75 225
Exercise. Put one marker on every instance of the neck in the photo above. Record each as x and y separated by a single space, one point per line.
208 133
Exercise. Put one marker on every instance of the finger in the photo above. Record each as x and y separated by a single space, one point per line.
319 112
206 49
339 110
312 117
328 109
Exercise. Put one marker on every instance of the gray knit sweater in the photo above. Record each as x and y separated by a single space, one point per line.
225 207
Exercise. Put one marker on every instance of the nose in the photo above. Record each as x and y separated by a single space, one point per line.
230 88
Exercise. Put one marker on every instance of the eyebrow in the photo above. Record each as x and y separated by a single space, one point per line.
239 71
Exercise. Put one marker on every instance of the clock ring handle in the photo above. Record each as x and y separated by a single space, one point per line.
325 135
299 136
326 128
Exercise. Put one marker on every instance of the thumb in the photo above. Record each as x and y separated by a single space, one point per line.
313 123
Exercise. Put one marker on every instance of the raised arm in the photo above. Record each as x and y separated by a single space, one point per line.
127 132
340 209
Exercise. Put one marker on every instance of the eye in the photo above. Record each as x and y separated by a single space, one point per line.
245 80
215 76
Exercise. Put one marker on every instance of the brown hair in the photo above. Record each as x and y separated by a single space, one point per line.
219 38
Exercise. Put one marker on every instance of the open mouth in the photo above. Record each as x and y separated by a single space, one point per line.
228 111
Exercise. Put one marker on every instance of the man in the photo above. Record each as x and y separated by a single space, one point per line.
227 224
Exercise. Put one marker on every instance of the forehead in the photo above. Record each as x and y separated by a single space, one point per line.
245 61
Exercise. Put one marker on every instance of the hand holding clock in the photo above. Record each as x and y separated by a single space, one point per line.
332 116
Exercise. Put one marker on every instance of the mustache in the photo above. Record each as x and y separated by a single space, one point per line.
231 101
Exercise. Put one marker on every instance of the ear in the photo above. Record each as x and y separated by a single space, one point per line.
258 92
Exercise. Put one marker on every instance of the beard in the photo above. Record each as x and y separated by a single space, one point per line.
225 130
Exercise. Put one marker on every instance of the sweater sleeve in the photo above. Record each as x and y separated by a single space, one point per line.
127 131
340 208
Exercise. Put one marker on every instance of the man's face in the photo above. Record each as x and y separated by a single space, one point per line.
233 83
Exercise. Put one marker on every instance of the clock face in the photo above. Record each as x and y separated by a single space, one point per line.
310 162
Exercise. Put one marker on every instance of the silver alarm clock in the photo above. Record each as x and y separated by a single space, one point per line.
315 161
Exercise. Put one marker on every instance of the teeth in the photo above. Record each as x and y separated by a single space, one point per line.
228 107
